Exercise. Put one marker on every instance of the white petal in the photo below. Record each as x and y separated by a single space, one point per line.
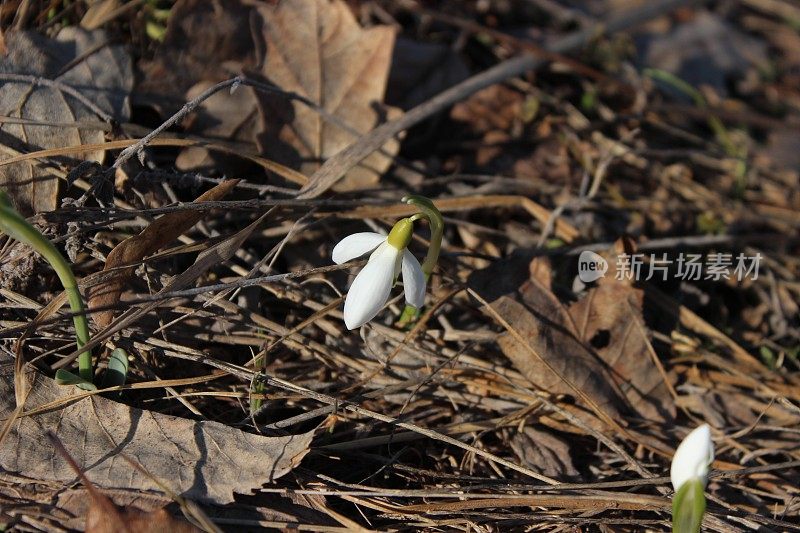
356 245
693 457
413 280
371 288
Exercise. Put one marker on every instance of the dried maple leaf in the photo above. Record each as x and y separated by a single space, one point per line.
315 48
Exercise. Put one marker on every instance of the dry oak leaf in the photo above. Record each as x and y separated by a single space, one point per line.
315 48
199 460
83 60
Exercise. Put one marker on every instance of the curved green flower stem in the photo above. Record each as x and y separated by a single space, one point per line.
434 217
16 227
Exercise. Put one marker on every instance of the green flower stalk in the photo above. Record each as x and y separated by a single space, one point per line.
434 218
688 507
16 227
429 212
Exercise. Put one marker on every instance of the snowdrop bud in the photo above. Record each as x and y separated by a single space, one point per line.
692 458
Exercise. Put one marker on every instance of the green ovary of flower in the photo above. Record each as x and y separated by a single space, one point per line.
401 233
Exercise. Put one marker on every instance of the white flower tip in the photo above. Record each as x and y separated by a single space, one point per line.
693 457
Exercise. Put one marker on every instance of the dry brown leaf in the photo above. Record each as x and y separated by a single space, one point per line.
105 517
135 521
494 108
103 76
206 40
161 232
609 319
222 116
544 452
533 311
541 322
599 343
493 113
316 48
204 461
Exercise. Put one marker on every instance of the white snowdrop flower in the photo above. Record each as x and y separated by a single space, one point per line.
692 458
372 286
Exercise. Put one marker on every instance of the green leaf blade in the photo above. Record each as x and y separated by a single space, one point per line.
688 507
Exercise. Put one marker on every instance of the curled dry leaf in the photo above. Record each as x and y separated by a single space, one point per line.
204 461
609 319
316 48
161 232
598 344
552 358
77 58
